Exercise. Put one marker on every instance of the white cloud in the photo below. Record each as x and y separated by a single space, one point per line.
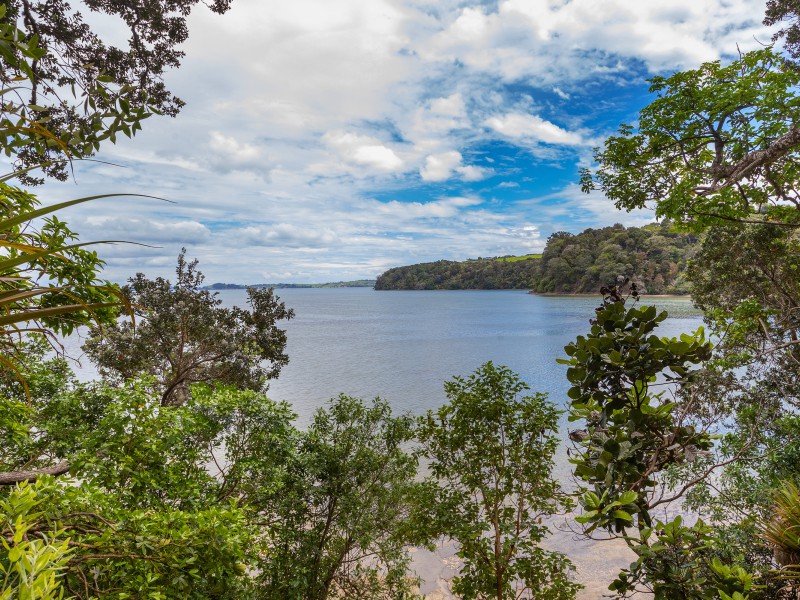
284 235
561 93
518 125
571 209
473 173
340 103
229 154
148 231
363 151
443 166
442 209
451 106
439 167
567 41
379 157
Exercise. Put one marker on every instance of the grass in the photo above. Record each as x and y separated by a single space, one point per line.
518 258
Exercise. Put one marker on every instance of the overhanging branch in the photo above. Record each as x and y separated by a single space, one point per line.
10 478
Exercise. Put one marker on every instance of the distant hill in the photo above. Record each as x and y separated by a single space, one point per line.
503 273
655 256
336 284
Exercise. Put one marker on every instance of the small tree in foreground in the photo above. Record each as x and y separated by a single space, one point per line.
342 522
184 336
491 452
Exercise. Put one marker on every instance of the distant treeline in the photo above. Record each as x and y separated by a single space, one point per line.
654 256
335 284
476 274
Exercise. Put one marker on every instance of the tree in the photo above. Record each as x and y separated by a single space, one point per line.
719 144
144 515
718 152
185 336
112 89
49 283
635 445
653 256
750 299
342 522
785 10
491 454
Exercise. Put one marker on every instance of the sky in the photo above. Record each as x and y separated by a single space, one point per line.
330 140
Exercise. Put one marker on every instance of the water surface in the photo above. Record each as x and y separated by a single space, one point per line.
402 345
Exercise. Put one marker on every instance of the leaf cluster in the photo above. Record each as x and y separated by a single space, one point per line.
719 144
654 257
67 90
342 521
184 336
490 452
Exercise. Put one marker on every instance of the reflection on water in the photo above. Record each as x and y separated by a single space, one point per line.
402 346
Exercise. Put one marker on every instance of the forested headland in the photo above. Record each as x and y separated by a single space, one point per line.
476 274
654 256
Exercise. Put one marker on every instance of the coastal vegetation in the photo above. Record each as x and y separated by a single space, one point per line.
655 257
477 274
717 152
175 476
490 451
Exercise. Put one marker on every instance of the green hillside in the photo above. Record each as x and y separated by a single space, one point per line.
506 273
655 256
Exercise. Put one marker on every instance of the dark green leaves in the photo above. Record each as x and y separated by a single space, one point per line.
48 51
184 336
491 454
719 143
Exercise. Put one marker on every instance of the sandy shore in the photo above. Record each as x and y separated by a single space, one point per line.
596 563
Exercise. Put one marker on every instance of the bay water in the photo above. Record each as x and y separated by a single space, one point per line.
403 346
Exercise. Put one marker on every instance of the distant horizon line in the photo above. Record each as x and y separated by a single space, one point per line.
331 284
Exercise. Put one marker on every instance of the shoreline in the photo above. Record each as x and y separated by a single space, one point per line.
587 295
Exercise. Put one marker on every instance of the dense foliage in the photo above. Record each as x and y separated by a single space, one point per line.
143 515
718 152
654 256
719 144
491 456
782 11
184 336
342 523
222 496
79 89
151 484
478 274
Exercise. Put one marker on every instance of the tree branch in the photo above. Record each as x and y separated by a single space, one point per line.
10 478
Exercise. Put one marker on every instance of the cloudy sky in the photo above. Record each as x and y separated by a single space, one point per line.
328 140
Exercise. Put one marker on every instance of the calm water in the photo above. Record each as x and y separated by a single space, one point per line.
402 346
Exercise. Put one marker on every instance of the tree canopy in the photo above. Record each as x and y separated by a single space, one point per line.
654 256
717 151
718 144
184 336
80 88
779 11
491 456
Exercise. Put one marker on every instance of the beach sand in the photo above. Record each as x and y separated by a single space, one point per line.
596 563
